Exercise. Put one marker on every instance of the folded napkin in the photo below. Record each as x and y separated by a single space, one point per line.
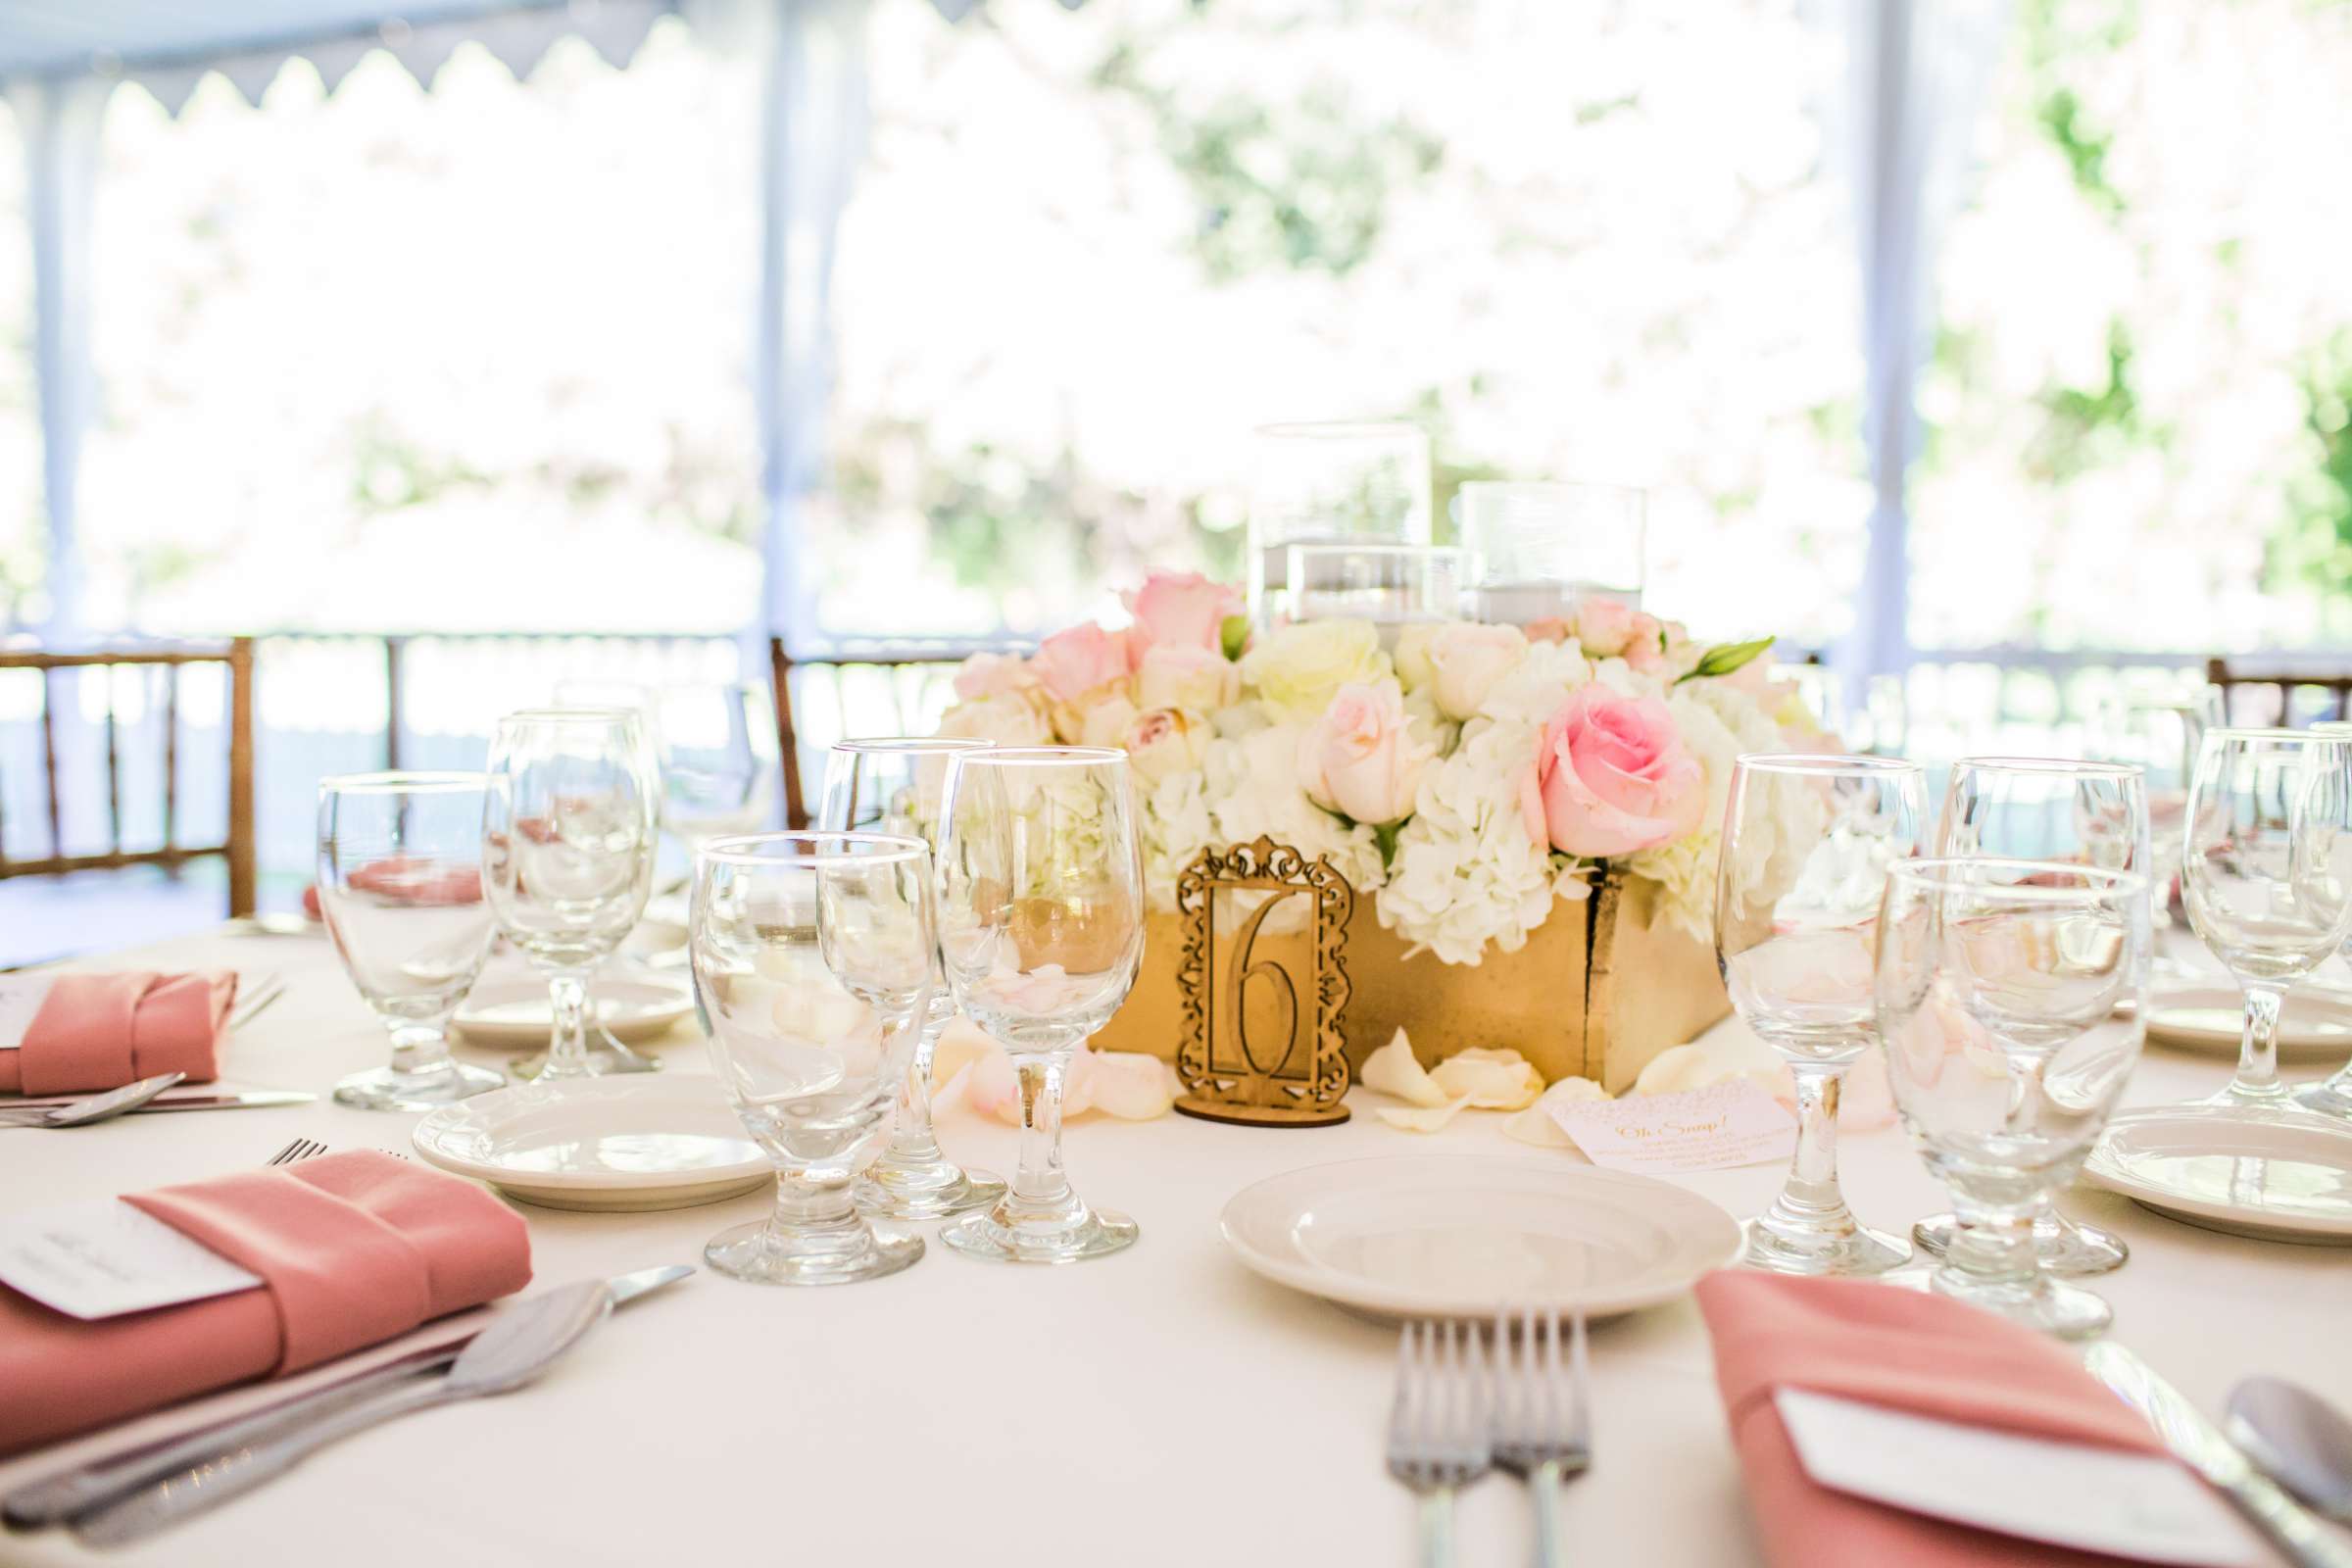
1906 1351
102 1031
352 1248
403 879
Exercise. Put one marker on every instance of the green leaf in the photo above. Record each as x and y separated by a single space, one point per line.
1233 635
1384 835
1724 658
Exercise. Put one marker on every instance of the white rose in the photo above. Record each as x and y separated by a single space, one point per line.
1106 722
1296 668
1411 658
1466 658
1197 679
1360 758
1006 719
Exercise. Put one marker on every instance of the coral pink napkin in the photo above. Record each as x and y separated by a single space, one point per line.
102 1031
1906 1351
352 1248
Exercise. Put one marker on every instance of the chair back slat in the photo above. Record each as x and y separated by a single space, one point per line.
2335 679
238 847
890 656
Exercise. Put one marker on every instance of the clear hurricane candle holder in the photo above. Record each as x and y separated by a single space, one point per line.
1538 550
1331 484
1390 585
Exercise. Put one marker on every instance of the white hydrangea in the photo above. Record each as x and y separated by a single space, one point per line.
1466 871
1530 694
1717 723
1253 789
1176 826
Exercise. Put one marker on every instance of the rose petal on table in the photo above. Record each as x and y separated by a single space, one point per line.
1422 1119
1393 1070
1491 1079
961 1044
1535 1125
1127 1084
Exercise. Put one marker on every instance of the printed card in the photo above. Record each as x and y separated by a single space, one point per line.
20 997
1715 1128
104 1258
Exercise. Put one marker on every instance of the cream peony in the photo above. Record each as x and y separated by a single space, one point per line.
1295 669
1197 679
1006 719
1465 661
1360 758
1105 723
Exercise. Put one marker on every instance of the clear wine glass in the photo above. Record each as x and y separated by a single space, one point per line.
1041 924
2080 814
896 786
2162 737
1999 985
567 852
1806 843
2332 1095
814 958
399 887
2268 877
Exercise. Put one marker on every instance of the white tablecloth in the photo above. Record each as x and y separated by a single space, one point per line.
1160 1406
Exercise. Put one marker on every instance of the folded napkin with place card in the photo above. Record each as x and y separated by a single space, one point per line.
71 1033
1878 1425
117 1307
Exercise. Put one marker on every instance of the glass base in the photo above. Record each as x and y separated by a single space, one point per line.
387 1089
1092 1233
2062 1245
2067 1311
607 1056
2331 1096
763 1254
1850 1249
941 1189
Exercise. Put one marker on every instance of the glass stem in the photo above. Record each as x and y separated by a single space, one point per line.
1040 1190
567 1046
418 1049
1812 1186
1993 1244
806 1209
912 1143
2258 1051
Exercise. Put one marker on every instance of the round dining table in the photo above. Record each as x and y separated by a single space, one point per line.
1160 1406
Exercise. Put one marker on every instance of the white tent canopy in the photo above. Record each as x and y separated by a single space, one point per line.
1918 70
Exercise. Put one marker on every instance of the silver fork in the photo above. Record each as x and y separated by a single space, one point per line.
299 1148
1543 1417
1440 1436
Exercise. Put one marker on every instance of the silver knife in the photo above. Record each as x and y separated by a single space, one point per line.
2291 1528
242 1099
95 1483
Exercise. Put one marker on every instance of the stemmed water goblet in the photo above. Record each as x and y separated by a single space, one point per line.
1040 926
896 786
2332 1096
400 889
2046 808
568 853
1999 985
2268 878
814 958
1806 843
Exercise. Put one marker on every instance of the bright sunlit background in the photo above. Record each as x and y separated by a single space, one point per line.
478 358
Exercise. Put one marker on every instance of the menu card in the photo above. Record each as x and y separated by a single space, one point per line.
20 997
1716 1128
103 1258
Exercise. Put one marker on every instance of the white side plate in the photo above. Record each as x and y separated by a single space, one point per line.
2315 1026
2278 1177
1459 1236
516 1013
618 1144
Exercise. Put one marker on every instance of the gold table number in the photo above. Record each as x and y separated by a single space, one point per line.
1233 1066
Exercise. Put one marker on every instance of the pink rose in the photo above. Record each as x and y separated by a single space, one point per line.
1659 647
1161 741
1070 663
993 675
1179 609
1360 759
1606 626
1611 776
1548 629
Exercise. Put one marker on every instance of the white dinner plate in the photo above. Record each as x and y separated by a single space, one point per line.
1459 1236
2279 1177
2314 1026
631 1143
516 1012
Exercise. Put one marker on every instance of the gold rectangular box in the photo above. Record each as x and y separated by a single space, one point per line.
1598 990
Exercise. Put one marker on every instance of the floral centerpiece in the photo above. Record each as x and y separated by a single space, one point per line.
1465 777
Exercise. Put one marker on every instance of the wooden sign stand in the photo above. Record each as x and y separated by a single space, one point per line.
1227 1075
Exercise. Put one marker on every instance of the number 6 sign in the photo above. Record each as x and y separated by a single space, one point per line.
1264 999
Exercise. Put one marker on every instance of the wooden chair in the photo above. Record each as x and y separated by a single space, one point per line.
930 661
237 848
2285 682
